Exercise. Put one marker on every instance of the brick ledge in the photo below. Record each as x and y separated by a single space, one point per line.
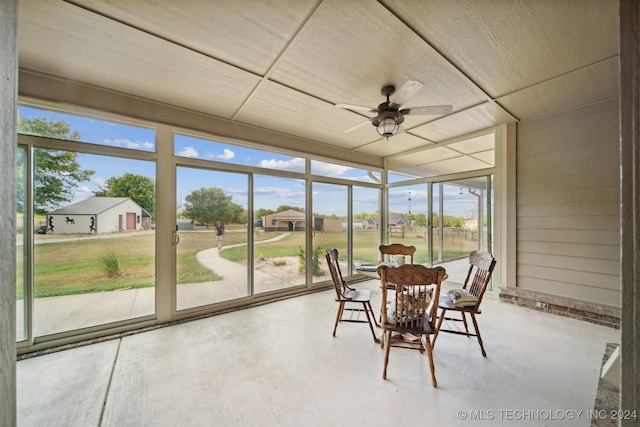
589 312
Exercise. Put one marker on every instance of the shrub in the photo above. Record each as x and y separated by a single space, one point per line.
315 261
111 264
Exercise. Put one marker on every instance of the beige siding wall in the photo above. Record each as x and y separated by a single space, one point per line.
568 204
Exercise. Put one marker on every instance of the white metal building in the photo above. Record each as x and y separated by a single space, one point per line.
98 215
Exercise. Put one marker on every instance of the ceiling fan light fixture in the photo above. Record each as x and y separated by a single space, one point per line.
388 127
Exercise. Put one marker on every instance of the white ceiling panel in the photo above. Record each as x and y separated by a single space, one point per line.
431 155
69 42
350 49
488 157
475 144
507 45
399 143
480 117
247 34
291 112
444 167
598 81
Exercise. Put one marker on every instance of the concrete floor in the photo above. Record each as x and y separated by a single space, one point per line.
278 365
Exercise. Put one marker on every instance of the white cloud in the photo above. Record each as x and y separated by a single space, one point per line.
237 191
293 164
188 152
127 143
330 169
277 192
81 193
226 154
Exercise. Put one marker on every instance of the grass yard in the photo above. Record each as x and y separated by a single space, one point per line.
75 266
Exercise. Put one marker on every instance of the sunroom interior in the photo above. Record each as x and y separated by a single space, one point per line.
241 97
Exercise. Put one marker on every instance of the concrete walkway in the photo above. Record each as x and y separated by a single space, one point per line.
234 283
69 312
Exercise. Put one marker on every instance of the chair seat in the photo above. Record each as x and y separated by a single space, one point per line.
447 303
358 296
426 329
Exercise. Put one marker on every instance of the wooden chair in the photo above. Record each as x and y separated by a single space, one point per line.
397 249
481 265
346 295
409 320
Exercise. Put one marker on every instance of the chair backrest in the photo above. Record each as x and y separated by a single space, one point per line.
481 265
397 249
336 275
415 301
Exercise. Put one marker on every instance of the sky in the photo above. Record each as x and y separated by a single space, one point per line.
270 192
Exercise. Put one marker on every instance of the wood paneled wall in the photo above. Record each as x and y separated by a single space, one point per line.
568 204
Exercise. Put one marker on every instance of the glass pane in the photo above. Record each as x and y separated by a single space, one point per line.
90 243
212 228
279 233
330 205
464 209
366 234
407 223
334 170
52 124
21 246
186 146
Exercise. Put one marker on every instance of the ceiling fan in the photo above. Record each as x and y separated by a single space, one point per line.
389 116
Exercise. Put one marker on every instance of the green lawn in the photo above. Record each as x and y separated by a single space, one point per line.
75 266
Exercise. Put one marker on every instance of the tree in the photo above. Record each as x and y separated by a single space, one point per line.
263 212
57 172
283 208
208 205
141 189
420 219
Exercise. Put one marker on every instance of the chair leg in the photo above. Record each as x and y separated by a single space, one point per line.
440 320
427 346
369 312
373 316
464 320
475 325
387 338
338 317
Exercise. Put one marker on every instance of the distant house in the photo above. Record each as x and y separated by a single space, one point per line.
358 224
327 224
372 223
288 220
99 215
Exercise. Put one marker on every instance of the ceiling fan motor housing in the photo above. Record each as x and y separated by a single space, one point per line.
387 112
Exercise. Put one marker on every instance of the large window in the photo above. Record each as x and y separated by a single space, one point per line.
330 207
22 243
212 229
92 250
365 220
238 224
462 222
408 219
279 230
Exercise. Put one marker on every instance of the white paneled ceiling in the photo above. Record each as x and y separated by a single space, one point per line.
283 65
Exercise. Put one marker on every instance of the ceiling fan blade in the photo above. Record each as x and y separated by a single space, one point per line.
433 109
357 108
408 89
359 125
